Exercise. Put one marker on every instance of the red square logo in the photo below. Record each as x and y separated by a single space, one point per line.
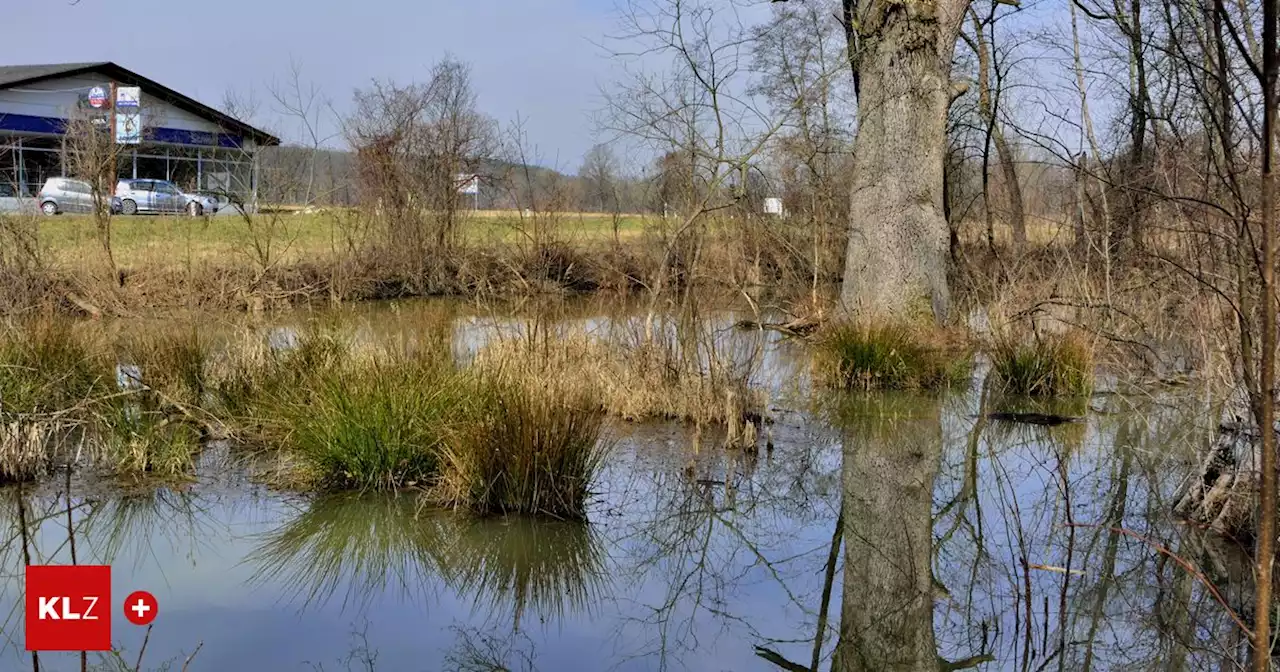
68 608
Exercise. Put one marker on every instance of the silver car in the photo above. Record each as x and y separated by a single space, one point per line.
160 196
63 194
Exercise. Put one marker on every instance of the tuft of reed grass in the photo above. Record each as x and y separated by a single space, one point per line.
888 357
173 365
375 427
250 385
530 448
134 439
24 450
1052 365
48 367
648 379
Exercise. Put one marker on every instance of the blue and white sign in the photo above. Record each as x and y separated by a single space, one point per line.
128 129
128 115
97 97
127 97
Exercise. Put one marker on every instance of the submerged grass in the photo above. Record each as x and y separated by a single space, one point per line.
524 564
361 543
1051 365
889 357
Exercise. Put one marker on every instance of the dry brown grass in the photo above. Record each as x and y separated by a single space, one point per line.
644 380
1145 320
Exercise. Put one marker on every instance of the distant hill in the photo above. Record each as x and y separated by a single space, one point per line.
295 175
292 175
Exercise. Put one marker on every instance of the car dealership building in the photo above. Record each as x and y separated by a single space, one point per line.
160 133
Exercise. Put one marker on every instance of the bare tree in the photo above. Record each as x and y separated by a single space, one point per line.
989 80
305 104
599 174
91 154
417 146
800 56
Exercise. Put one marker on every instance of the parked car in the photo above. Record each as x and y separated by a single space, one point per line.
15 200
161 196
63 194
219 200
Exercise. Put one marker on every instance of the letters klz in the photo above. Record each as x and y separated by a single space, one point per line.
68 608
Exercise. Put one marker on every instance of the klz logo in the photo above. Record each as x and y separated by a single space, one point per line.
68 608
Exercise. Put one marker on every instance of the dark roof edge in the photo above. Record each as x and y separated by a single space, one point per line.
167 94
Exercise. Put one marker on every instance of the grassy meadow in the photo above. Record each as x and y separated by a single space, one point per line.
159 241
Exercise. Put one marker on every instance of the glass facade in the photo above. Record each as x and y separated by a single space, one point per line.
26 162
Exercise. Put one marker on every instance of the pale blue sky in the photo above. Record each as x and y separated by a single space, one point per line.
538 60
532 58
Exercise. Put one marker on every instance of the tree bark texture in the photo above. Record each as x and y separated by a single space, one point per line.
891 456
896 262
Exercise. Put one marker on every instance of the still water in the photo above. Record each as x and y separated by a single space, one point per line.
906 531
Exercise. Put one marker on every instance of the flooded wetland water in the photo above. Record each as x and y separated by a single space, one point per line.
883 531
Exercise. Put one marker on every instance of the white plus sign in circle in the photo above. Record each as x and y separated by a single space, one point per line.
140 608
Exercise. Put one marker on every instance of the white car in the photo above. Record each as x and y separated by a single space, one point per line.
161 196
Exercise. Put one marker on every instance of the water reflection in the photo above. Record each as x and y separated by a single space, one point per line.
892 453
367 546
364 544
509 566
889 534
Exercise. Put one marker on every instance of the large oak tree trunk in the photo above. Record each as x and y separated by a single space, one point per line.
896 264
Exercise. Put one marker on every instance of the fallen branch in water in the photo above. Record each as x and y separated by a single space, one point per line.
801 326
1049 420
1060 570
777 659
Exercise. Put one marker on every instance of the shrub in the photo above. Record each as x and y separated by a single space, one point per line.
1055 365
888 357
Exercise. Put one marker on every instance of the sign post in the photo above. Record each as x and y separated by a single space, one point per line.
112 123
470 184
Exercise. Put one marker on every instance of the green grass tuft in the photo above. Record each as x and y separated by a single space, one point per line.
48 367
375 427
174 365
888 357
133 439
531 449
1057 365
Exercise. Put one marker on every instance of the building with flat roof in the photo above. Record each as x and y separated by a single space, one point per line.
162 134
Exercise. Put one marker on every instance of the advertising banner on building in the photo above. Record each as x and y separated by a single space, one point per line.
128 115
